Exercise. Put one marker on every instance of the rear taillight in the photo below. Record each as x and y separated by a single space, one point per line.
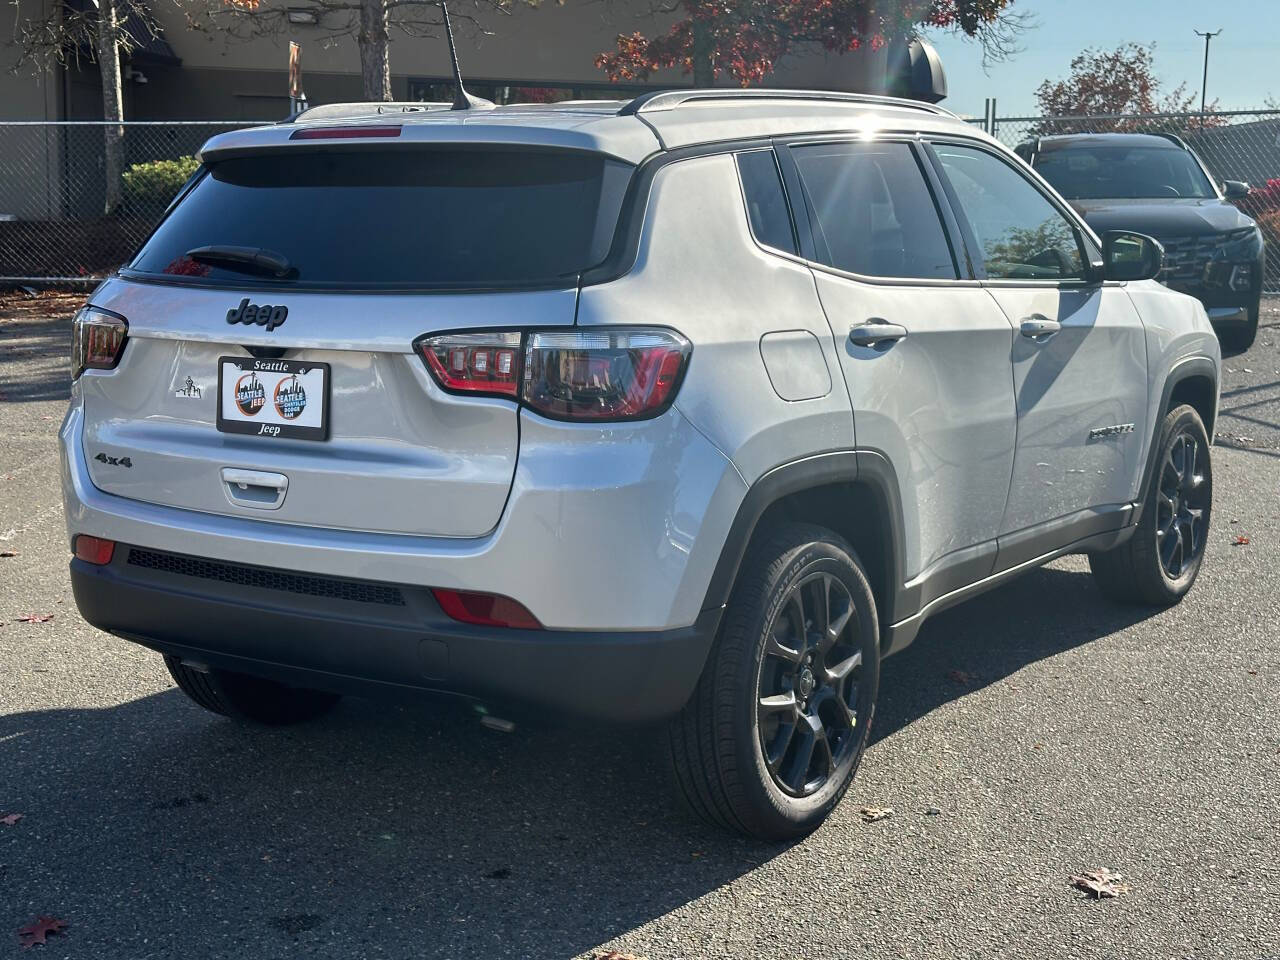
603 375
618 374
474 362
97 340
485 609
94 550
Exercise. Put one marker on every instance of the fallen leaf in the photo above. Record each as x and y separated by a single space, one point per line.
613 955
1100 884
8 553
872 814
9 819
962 677
35 933
36 618
1240 541
932 812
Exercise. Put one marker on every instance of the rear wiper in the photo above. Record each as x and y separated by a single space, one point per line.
245 259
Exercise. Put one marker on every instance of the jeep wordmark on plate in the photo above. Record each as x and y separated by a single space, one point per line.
687 409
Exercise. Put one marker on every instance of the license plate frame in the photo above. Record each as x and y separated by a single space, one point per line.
271 418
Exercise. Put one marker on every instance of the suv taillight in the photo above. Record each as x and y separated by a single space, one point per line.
474 362
97 340
597 374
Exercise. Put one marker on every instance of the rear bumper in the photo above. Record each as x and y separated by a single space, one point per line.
614 527
369 638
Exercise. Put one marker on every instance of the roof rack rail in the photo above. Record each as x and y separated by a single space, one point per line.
349 111
1171 137
660 100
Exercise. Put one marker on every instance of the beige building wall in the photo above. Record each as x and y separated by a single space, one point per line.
46 173
233 80
34 152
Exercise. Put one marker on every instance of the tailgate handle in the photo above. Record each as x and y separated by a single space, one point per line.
254 488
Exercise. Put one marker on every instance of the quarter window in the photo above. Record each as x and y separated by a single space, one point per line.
872 212
1020 234
766 201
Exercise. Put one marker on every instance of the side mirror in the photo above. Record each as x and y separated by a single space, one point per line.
1235 189
1131 256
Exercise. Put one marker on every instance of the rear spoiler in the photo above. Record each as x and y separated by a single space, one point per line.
619 138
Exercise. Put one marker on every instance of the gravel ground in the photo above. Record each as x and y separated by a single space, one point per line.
1052 731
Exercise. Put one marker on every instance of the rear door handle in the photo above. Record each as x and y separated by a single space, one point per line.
876 331
1037 325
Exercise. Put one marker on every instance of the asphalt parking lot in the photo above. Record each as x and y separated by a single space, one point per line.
1049 730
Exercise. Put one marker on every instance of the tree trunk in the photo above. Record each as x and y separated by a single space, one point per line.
108 52
375 57
704 70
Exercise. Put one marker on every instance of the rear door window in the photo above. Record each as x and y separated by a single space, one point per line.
403 218
871 211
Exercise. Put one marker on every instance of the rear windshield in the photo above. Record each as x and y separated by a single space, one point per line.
404 218
1123 173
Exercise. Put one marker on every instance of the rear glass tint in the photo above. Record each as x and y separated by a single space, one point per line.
766 202
398 218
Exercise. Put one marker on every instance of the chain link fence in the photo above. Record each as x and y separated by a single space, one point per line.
53 189
1237 145
53 181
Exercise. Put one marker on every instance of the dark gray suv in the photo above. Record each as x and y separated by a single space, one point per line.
1155 184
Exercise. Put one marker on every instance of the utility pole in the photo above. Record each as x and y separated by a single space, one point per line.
1204 86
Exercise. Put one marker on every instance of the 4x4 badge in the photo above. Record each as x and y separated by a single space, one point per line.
264 316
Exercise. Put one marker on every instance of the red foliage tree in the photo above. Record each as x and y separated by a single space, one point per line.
745 38
1115 82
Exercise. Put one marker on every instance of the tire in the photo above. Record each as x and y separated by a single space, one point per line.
1159 563
242 697
1239 339
738 711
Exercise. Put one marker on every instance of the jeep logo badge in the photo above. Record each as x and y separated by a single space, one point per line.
264 316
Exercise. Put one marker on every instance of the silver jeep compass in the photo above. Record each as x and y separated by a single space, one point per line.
687 409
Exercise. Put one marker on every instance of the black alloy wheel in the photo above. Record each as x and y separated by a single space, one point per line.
809 685
1157 564
1181 502
774 732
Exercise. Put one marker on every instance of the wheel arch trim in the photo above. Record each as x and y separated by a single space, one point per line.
1181 371
868 469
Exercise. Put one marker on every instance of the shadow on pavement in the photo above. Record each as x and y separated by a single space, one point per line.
412 831
34 360
1041 614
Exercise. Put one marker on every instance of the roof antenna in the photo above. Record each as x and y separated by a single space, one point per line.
461 99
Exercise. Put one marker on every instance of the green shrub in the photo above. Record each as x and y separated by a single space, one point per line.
148 187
